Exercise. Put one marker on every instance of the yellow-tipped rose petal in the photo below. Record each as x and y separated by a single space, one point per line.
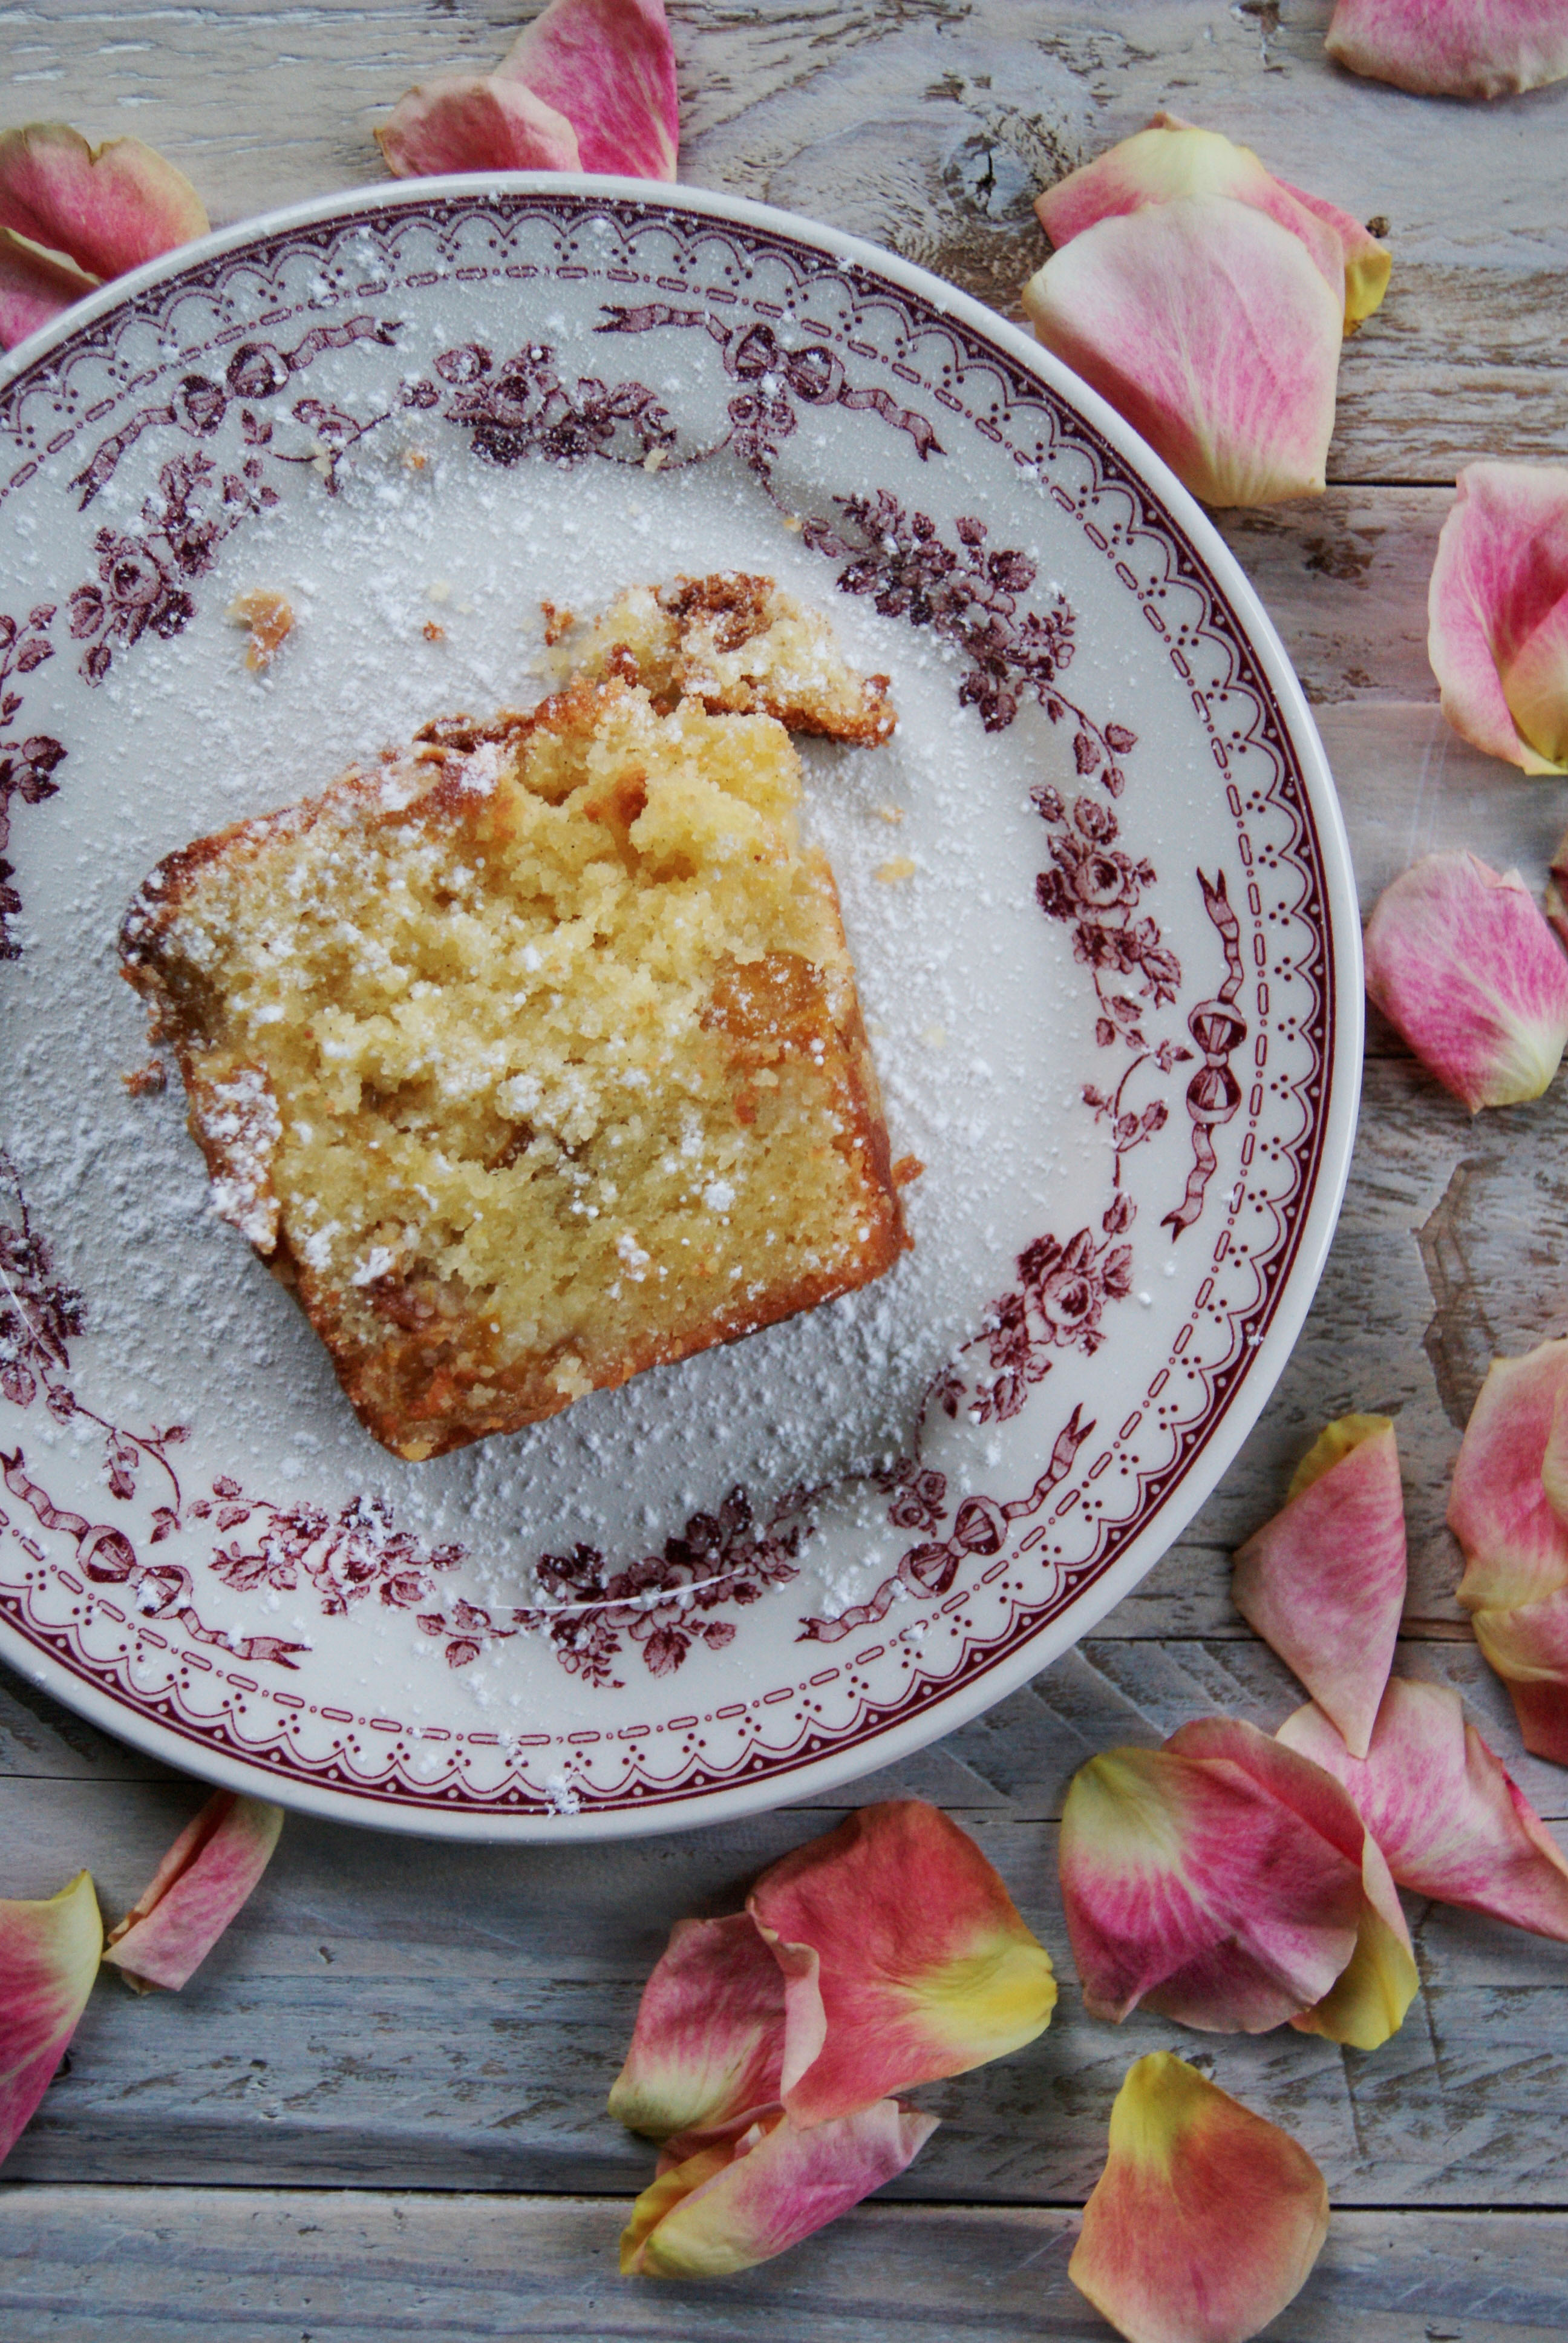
709 2045
904 1959
743 2200
1206 2220
49 1955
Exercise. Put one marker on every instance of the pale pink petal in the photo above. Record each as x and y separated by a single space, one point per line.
48 1958
708 2043
1220 1888
1528 1646
1499 1507
1210 328
739 2203
1205 2221
904 1959
1444 1812
196 1891
108 208
609 66
34 287
475 123
1464 965
1452 49
1323 1583
1499 574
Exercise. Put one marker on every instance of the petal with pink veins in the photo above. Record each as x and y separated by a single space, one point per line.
1323 1583
1497 608
108 208
49 1954
1463 963
1206 2219
587 85
708 2043
1211 329
1499 1505
744 2200
1443 1808
1173 158
1220 1888
609 66
34 287
1367 2002
1452 49
196 1891
472 122
904 1959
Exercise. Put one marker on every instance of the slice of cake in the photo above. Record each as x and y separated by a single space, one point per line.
737 644
529 1057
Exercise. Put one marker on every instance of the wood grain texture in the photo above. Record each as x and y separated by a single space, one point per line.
266 2266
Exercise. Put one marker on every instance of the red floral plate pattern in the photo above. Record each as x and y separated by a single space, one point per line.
1112 972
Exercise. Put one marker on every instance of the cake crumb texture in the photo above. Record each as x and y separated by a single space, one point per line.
738 644
529 1056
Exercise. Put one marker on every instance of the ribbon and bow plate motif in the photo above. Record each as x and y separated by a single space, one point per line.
1097 891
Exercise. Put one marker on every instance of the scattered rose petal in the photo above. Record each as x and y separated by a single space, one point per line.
49 1954
904 1959
1464 964
196 1891
587 85
1211 328
108 208
1323 1583
1368 2000
1443 1808
1497 612
34 289
1173 158
1221 1889
708 2043
1528 1647
474 122
1205 2221
1452 49
743 2200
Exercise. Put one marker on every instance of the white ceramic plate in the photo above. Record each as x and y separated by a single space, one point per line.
1098 894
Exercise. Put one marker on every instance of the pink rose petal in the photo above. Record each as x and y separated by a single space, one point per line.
587 85
904 1959
1323 1583
1452 49
1443 1810
1464 965
34 287
474 122
609 66
1497 608
1211 329
742 2201
1202 1879
1205 2221
1527 1644
48 1958
196 1891
108 208
1499 1505
1173 158
1368 2000
708 2043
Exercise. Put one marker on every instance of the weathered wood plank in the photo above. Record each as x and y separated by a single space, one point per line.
83 2265
929 128
386 2012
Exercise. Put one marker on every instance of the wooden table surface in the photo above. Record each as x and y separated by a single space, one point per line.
378 2109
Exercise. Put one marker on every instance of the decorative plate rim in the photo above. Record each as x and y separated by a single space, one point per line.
944 1711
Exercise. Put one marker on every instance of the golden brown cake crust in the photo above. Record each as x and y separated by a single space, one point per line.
434 1329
